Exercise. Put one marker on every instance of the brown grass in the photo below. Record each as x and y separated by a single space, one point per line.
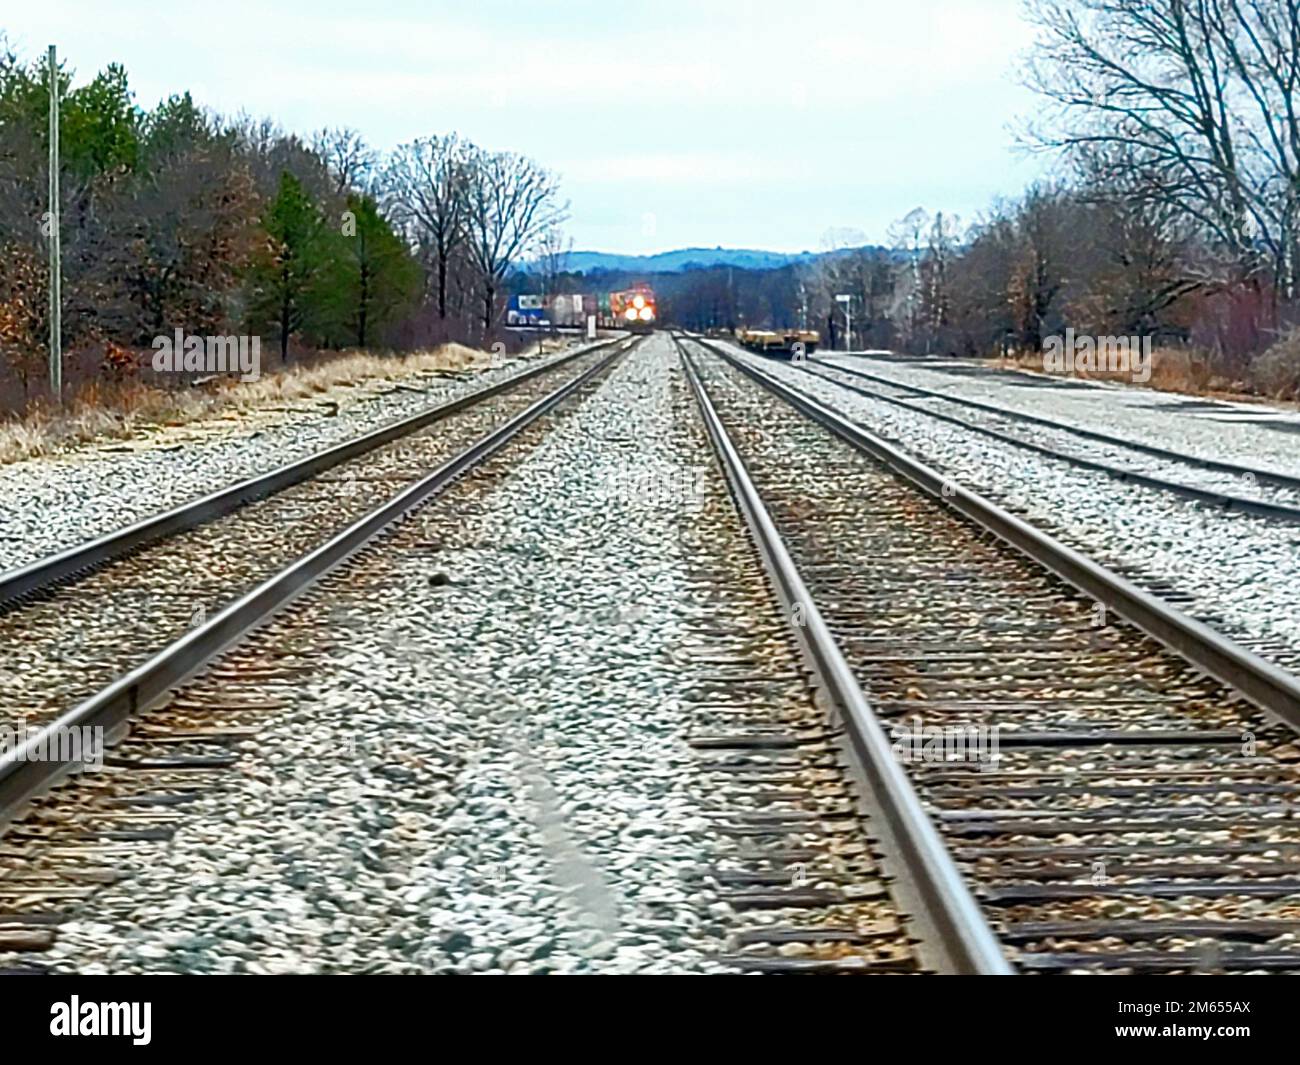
1172 370
104 411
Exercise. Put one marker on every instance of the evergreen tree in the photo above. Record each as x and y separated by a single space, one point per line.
372 279
287 271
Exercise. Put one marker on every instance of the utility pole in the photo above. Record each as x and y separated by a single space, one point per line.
847 299
56 302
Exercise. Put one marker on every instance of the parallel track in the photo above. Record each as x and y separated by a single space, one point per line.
45 574
943 907
792 850
72 636
43 759
1284 508
1139 815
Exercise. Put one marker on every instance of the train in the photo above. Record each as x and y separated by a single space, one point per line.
568 310
634 309
782 343
526 310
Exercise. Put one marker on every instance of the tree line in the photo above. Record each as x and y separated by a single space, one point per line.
174 217
1174 212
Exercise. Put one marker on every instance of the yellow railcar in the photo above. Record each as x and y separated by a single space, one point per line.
785 343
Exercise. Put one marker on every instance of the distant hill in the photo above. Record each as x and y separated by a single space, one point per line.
684 258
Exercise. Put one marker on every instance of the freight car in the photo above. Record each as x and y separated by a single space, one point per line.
526 310
570 309
783 343
565 310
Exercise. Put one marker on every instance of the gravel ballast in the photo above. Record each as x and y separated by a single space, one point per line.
521 799
1241 573
1250 434
54 503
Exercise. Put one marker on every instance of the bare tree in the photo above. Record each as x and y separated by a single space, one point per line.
981 284
1042 253
269 152
935 270
169 246
350 160
424 187
553 251
906 237
850 266
510 203
1188 104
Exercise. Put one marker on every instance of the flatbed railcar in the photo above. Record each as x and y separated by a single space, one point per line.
781 343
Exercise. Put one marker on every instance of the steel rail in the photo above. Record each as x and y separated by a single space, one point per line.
1243 504
35 577
46 756
964 936
1262 476
1266 685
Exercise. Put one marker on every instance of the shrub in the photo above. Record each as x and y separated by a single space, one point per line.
1276 372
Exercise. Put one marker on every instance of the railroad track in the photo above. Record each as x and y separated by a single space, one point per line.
104 680
1111 805
43 575
1261 492
1078 509
793 854
826 855
791 858
1121 810
74 622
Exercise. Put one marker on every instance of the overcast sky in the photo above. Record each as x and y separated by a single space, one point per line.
672 124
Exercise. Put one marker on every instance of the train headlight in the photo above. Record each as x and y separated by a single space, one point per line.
630 314
647 314
638 302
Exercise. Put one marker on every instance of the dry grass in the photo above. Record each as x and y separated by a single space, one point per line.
1172 370
104 411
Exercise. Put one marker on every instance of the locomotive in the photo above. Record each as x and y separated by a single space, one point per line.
633 309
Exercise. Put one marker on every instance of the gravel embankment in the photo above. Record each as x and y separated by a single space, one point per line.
67 645
54 503
521 799
1066 444
1242 573
1251 434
